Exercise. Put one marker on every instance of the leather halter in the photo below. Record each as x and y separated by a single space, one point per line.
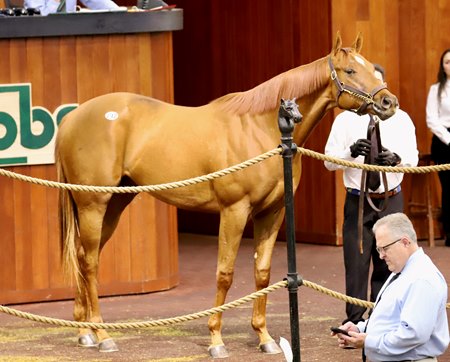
367 98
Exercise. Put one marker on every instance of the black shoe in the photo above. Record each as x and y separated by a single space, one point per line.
447 242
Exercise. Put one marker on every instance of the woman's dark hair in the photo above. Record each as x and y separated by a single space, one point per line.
441 77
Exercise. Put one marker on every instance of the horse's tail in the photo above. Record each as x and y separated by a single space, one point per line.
67 228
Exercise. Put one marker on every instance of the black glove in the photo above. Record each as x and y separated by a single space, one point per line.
360 148
387 158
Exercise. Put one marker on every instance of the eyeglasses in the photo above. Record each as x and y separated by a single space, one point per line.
383 249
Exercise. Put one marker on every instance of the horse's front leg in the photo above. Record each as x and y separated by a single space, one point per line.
265 233
232 224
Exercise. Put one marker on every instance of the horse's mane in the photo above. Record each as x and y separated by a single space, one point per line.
296 82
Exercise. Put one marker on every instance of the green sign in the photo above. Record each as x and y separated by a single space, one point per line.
27 133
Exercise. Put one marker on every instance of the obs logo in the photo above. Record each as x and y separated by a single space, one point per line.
27 134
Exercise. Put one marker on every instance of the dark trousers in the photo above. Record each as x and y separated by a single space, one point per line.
357 265
440 153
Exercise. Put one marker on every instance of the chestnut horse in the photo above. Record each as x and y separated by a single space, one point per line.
121 139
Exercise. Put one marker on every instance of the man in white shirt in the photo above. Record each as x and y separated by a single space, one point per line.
409 320
347 141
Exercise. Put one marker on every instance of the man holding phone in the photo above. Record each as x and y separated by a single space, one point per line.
409 319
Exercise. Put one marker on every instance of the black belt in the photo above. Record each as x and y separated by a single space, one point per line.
376 195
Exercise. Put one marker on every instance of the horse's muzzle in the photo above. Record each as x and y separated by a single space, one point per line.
386 106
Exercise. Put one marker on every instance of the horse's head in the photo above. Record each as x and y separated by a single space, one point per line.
354 84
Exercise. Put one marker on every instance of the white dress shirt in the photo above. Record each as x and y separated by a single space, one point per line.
50 6
438 117
409 322
397 133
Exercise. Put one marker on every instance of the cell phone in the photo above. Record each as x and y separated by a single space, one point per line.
338 330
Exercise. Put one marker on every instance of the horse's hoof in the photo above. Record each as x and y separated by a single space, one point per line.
107 345
218 351
270 348
87 341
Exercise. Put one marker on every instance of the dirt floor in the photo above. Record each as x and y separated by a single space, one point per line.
22 340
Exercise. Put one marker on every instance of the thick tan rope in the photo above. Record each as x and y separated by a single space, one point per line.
192 181
220 173
159 322
392 169
188 317
148 188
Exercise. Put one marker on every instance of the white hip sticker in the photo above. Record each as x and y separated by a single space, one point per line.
111 116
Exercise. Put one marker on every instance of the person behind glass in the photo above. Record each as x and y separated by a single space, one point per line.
438 121
409 319
53 6
348 141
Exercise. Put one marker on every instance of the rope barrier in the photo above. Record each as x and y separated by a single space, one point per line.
147 188
220 173
187 317
189 182
160 322
362 166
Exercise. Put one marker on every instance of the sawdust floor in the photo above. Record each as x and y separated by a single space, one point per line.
22 340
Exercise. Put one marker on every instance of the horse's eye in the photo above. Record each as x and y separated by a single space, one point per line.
349 71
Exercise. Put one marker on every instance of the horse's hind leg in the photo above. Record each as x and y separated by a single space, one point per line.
81 313
265 233
110 220
97 221
232 223
90 221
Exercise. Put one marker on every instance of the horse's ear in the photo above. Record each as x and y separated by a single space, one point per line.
337 43
358 42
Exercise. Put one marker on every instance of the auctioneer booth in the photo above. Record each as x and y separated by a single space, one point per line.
49 65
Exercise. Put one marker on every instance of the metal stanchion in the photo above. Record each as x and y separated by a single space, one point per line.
286 125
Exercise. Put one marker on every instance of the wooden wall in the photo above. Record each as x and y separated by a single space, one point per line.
233 45
407 38
229 46
143 254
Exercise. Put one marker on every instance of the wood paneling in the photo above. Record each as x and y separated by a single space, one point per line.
407 38
402 36
142 256
231 45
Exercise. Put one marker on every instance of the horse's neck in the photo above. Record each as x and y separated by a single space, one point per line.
313 108
295 83
309 84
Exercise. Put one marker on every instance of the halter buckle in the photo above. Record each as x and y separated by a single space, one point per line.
333 74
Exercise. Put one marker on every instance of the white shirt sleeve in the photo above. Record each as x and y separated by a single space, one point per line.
405 132
432 111
337 145
45 6
100 4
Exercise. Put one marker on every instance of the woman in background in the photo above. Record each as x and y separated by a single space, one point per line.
438 121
